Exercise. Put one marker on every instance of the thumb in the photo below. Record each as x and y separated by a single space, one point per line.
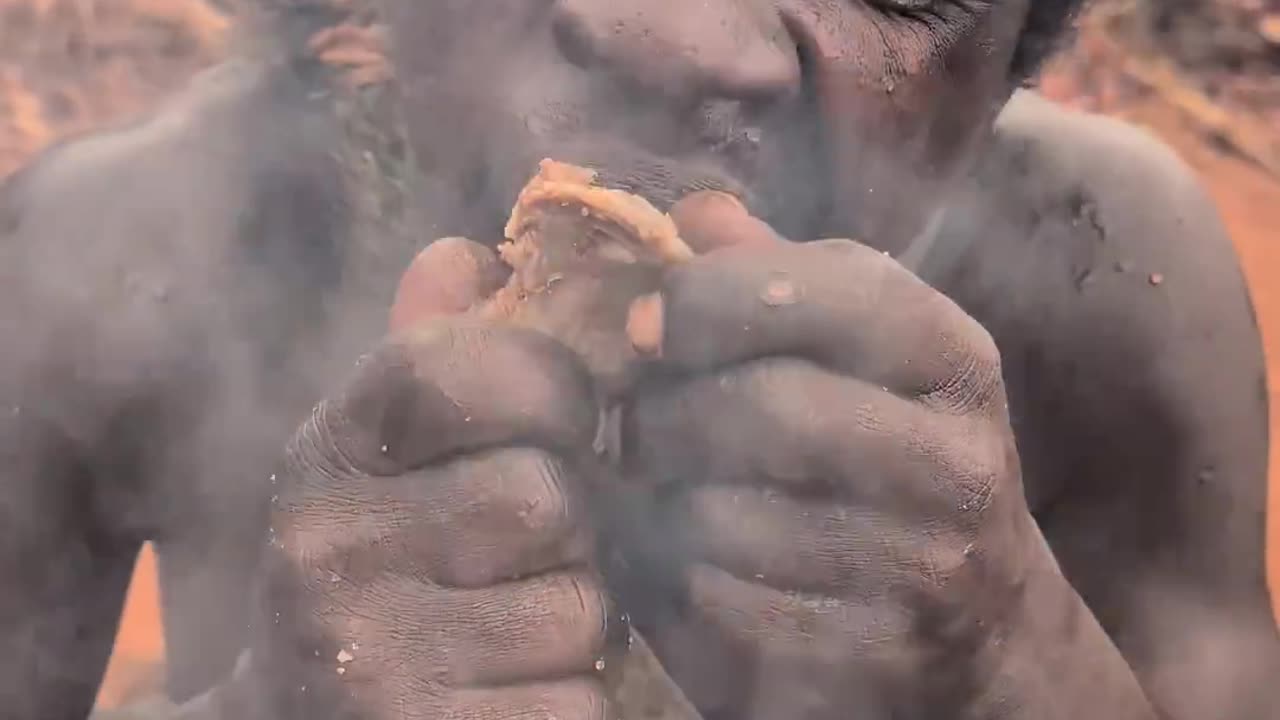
448 277
711 220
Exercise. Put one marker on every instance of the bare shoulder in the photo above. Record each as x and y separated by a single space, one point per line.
130 255
1137 389
1129 252
1133 357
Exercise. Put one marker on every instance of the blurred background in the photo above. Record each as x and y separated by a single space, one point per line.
1204 75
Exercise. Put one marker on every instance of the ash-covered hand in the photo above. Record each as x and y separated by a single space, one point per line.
429 556
833 457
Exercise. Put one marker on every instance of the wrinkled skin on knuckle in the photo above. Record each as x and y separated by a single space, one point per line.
471 534
455 387
968 378
369 553
548 626
468 523
396 640
960 366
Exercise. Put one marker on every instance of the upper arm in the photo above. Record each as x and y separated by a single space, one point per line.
137 269
1137 390
64 571
64 565
1188 505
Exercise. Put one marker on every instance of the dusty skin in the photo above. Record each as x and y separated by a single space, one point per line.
1238 218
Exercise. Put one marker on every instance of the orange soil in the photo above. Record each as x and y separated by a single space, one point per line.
136 666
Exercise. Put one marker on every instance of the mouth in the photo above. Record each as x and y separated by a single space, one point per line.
660 179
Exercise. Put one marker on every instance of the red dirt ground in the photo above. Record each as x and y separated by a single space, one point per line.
1203 74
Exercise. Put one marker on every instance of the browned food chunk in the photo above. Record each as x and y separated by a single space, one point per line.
580 254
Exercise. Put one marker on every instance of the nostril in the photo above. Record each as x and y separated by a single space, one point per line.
572 34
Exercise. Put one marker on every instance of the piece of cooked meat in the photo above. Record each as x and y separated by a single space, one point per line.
580 254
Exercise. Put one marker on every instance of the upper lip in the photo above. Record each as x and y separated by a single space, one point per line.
660 179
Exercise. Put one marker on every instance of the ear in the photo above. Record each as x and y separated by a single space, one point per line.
448 277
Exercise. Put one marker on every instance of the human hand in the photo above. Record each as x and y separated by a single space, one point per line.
430 555
832 448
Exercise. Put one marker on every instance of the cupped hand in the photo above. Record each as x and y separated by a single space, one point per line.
429 556
831 446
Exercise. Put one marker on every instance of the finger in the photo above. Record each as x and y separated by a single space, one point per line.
542 627
447 277
857 553
800 646
711 220
838 303
451 387
472 523
787 424
573 699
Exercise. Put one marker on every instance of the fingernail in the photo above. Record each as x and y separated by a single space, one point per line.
645 324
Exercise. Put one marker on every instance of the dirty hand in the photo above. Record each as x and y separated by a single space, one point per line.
832 449
428 557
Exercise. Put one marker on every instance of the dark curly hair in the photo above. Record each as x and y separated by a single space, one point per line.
1049 25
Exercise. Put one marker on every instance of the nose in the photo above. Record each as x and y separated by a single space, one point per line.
738 49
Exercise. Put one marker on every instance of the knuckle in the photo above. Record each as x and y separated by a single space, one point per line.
978 464
980 382
766 382
969 373
847 248
523 492
314 492
542 505
854 259
511 514
982 346
583 610
454 386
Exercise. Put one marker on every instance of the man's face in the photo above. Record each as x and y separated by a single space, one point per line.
830 117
